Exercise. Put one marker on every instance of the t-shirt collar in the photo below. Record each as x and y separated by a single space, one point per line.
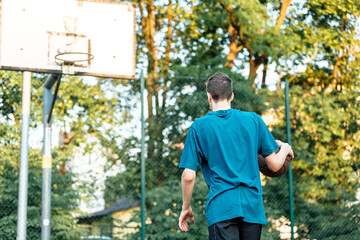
221 113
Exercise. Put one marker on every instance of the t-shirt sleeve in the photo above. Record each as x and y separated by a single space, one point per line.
192 155
267 144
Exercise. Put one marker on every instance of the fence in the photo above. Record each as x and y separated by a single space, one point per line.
96 171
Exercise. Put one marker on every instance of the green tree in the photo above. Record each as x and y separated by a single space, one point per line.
164 205
325 140
83 109
329 44
64 197
249 34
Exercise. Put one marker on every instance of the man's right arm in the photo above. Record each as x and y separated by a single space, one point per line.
187 183
276 160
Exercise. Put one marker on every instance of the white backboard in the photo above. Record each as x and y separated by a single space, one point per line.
33 32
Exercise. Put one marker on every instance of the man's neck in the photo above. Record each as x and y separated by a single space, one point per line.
221 105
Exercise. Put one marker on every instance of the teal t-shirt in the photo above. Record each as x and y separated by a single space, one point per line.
225 144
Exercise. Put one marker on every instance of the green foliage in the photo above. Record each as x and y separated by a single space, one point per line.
326 129
163 207
90 108
10 93
276 204
10 107
325 133
83 108
190 89
329 37
125 183
64 197
249 29
319 221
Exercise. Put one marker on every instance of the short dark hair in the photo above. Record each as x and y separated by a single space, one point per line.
219 85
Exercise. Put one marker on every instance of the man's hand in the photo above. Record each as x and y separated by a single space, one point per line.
276 160
185 213
286 147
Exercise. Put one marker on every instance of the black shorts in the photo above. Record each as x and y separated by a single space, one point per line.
235 229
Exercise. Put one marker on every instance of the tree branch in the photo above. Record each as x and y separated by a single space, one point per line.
232 15
238 29
142 16
16 120
304 63
233 46
284 6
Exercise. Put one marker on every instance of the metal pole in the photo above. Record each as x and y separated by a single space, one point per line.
142 86
288 138
24 156
46 163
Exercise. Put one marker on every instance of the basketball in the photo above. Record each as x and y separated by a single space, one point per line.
267 172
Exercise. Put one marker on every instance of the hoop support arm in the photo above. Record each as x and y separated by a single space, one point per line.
51 80
48 84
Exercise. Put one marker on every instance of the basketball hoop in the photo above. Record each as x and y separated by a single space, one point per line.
72 40
73 62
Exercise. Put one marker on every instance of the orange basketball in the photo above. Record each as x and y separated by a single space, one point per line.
267 172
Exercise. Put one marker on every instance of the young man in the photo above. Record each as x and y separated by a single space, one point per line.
225 143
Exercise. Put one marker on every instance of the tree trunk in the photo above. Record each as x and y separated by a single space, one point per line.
167 52
252 71
148 32
156 85
234 48
263 81
255 59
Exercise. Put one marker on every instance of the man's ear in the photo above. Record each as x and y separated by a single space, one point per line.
232 97
209 97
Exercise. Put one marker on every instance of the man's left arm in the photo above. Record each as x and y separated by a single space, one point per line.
187 184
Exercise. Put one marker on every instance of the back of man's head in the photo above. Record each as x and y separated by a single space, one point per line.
219 85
